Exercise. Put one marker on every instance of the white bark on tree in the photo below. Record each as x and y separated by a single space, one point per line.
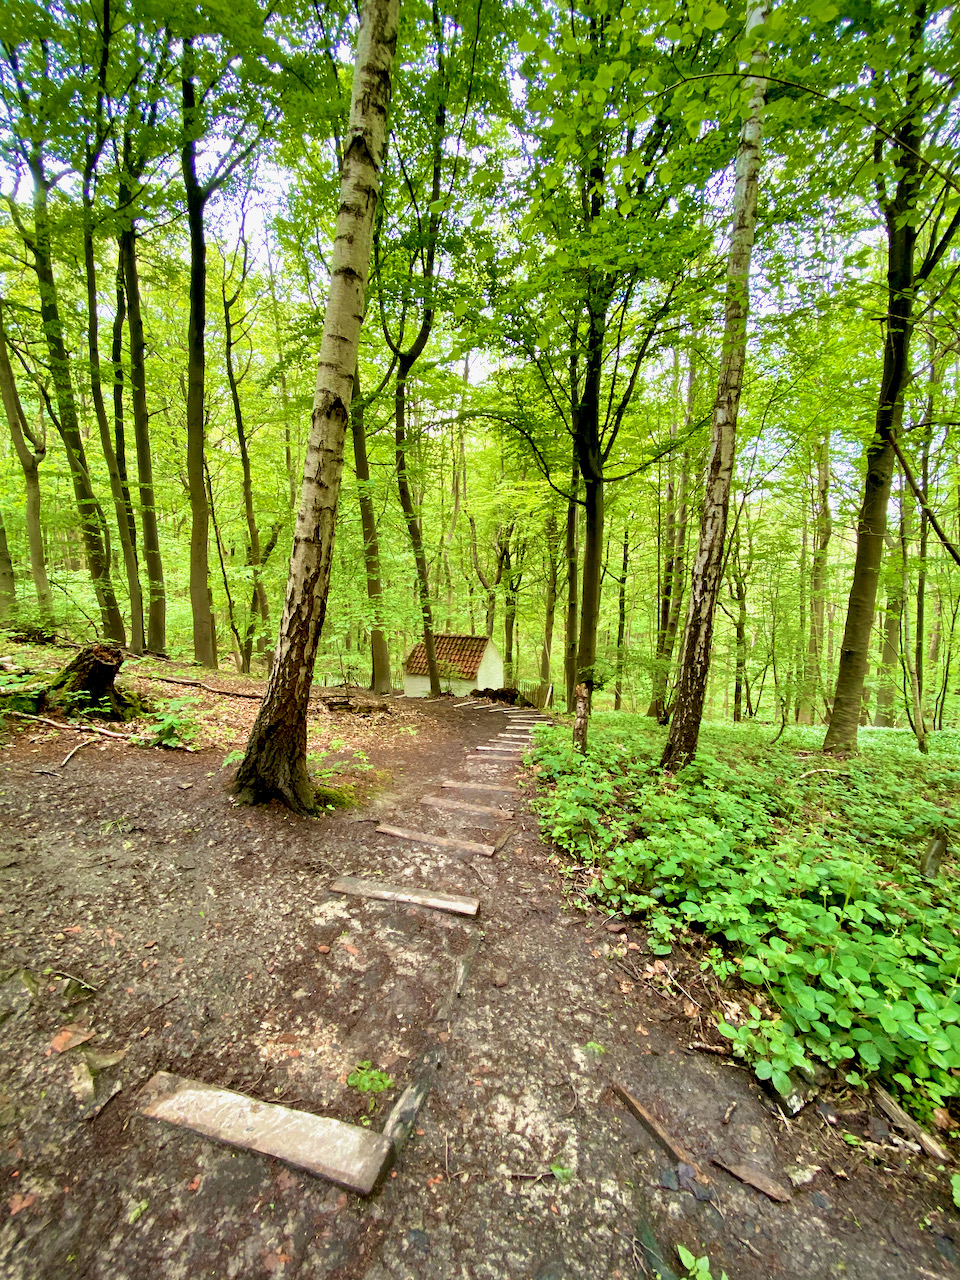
275 762
698 634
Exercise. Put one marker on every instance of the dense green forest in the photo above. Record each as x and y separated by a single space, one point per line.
536 444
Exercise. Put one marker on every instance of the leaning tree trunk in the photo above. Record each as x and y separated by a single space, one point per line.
684 733
275 764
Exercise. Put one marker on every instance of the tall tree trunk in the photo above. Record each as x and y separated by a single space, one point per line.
813 680
889 670
622 619
128 544
412 518
92 526
8 582
275 762
30 456
153 562
684 732
571 556
380 680
260 604
551 539
590 460
204 634
917 721
675 544
901 229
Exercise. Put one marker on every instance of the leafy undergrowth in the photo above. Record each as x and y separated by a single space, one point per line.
804 870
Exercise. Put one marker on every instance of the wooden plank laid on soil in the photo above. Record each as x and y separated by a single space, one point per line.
909 1126
501 759
502 748
657 1131
478 786
416 897
515 737
352 1157
464 806
442 842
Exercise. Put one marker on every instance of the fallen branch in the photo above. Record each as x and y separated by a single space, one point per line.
77 728
198 684
811 772
720 1050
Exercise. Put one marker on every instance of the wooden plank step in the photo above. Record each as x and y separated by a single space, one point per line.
515 737
478 786
464 806
500 759
416 897
442 842
352 1157
502 748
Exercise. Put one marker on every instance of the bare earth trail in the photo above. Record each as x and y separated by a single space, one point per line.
149 924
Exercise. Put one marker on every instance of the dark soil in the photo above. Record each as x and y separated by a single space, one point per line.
143 909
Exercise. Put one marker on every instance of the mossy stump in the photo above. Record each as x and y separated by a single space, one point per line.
86 684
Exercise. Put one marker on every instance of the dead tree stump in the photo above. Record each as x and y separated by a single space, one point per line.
86 684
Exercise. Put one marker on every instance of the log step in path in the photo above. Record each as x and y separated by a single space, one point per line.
349 1155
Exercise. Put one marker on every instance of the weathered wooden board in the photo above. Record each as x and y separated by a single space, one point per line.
478 786
442 842
416 897
464 806
346 1154
502 748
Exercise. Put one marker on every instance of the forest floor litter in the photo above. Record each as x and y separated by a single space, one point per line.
584 1104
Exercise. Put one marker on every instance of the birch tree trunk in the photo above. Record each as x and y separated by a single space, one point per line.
695 658
275 764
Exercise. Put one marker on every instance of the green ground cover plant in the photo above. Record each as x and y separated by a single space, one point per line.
802 871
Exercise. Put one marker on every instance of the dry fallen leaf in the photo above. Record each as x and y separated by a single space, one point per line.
192 1186
69 1037
324 951
351 950
943 1119
19 1202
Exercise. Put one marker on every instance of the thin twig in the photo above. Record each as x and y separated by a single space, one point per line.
69 756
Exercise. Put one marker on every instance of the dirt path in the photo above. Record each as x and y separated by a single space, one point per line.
185 934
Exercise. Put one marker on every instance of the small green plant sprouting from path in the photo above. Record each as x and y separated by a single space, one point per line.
697 1268
367 1079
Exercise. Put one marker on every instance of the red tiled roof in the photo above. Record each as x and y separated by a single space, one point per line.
456 655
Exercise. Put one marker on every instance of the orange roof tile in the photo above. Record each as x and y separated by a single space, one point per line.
456 655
